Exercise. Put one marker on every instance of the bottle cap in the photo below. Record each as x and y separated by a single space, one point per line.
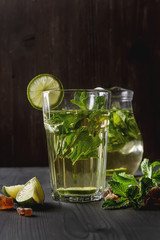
121 93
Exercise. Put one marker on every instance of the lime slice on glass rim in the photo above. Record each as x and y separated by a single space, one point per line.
30 194
44 82
11 191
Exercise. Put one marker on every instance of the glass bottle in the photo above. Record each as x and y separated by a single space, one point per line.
125 144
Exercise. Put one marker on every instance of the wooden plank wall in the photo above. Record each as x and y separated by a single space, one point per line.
86 43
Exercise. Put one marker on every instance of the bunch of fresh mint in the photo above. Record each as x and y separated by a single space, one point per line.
131 193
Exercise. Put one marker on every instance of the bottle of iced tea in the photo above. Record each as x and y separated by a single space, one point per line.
125 144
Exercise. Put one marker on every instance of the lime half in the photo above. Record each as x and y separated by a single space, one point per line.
11 191
30 194
109 172
44 82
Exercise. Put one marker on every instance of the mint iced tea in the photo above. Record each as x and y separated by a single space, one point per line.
125 145
77 149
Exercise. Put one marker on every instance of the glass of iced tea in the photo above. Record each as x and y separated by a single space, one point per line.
76 134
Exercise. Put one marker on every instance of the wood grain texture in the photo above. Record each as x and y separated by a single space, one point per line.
86 44
66 221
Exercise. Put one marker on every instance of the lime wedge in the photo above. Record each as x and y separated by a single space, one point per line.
30 194
109 172
44 82
11 191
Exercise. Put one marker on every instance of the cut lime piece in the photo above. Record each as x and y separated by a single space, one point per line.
44 82
30 194
11 191
109 172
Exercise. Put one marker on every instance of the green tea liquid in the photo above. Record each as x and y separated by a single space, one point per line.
83 179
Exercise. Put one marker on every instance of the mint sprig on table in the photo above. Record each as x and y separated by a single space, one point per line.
130 192
77 131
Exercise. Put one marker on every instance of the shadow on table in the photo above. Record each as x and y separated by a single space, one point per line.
47 207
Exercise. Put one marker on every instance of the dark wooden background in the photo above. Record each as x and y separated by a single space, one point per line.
86 43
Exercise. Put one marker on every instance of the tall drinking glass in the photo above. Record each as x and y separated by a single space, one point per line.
76 134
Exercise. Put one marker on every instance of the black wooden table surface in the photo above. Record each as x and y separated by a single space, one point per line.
71 221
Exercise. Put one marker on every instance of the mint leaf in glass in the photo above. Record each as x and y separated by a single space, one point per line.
84 146
81 99
99 103
78 133
122 129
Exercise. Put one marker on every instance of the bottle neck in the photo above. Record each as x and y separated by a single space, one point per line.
122 104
